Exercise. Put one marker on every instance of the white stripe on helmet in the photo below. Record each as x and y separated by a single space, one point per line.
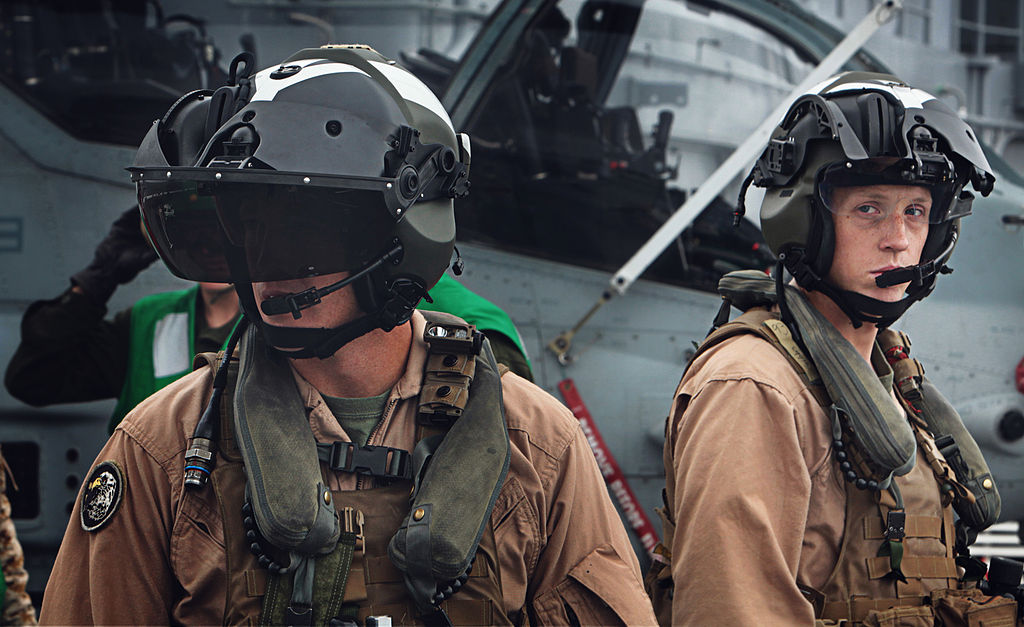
267 88
911 97
410 88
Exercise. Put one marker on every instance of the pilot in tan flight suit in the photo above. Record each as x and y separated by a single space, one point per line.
813 472
353 458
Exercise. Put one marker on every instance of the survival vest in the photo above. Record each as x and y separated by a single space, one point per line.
360 578
895 564
161 345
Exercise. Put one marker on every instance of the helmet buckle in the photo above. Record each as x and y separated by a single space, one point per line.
781 155
402 144
403 297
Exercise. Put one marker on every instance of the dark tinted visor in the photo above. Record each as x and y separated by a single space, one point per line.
286 232
182 223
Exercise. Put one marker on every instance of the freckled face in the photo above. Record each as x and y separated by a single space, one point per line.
878 228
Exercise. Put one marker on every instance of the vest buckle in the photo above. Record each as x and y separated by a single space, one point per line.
378 461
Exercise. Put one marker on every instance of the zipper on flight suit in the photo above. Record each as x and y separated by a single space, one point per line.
383 418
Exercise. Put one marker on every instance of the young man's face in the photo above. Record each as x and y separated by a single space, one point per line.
878 228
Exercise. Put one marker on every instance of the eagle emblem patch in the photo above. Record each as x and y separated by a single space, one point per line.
102 495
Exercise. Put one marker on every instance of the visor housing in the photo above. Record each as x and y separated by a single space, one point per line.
947 199
287 231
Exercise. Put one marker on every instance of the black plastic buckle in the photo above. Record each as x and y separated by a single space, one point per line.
378 461
951 452
437 420
895 526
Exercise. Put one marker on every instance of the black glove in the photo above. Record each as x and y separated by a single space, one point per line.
122 254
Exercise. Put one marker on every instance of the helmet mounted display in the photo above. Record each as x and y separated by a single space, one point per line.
861 129
335 161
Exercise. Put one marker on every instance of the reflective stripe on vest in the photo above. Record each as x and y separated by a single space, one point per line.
172 342
160 346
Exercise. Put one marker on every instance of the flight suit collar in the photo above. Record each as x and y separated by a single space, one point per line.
325 426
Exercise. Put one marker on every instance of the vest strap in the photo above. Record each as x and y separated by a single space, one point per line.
857 609
451 366
322 593
957 462
914 567
916 527
467 469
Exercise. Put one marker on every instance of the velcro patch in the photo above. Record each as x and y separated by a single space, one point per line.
102 495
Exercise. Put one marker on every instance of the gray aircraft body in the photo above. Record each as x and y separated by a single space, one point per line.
592 121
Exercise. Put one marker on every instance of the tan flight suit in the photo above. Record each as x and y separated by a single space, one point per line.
761 507
560 544
17 606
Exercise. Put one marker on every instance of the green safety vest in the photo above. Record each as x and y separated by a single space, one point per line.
162 336
453 297
161 344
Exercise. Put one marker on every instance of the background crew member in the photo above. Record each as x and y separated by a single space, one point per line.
70 354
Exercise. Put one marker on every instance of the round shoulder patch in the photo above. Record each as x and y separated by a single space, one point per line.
102 495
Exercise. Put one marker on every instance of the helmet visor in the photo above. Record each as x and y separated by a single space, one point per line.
932 202
286 232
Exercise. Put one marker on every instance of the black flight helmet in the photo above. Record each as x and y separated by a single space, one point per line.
336 160
859 129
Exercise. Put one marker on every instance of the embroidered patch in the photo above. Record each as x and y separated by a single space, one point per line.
102 495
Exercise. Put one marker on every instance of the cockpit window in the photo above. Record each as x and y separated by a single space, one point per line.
103 70
603 122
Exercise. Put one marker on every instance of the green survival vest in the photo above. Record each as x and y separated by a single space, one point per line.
162 336
161 345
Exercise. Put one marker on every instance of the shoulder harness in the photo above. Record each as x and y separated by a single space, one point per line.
458 466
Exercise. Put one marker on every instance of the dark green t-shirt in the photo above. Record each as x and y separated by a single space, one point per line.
358 416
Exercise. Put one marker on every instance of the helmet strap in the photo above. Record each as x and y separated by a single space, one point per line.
397 305
857 307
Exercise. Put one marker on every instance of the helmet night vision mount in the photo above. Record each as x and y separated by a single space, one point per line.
861 129
335 161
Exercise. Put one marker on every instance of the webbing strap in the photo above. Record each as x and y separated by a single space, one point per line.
384 462
328 587
915 567
857 609
916 527
451 365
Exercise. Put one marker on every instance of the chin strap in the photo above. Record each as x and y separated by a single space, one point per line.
403 296
858 307
401 299
295 303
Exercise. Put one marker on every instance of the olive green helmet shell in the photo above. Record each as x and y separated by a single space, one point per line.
788 212
851 119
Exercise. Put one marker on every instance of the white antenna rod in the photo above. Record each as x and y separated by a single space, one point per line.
741 158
